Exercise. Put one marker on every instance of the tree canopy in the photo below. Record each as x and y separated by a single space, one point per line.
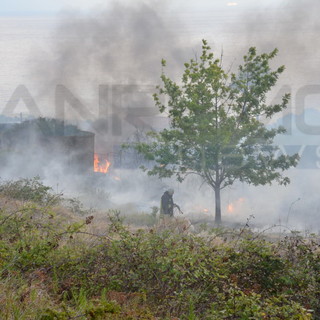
216 129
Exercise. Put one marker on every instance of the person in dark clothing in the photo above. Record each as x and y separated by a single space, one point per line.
167 204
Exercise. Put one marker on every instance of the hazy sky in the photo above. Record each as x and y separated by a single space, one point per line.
38 7
21 7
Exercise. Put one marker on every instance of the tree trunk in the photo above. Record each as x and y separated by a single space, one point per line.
218 205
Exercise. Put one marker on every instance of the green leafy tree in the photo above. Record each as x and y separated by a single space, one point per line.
216 129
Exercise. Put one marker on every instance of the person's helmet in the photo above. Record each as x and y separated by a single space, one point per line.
171 191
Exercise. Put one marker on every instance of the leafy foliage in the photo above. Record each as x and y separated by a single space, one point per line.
29 190
216 129
54 268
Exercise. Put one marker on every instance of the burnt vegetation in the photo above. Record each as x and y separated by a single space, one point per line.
59 264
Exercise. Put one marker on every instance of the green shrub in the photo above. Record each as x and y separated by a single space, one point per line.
29 190
235 304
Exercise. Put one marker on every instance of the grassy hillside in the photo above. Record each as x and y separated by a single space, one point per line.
58 263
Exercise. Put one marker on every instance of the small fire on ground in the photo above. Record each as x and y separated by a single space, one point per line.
100 164
231 208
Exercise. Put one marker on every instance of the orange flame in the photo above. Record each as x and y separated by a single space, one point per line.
236 205
230 208
98 167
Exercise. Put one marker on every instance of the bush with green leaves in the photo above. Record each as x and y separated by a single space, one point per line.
29 189
235 304
179 273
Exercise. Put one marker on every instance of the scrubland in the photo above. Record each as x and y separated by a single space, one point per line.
61 261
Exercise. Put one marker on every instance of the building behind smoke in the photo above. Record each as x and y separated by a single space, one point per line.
30 147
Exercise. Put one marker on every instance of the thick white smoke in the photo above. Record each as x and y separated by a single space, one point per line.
116 52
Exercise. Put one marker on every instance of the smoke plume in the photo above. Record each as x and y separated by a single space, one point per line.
122 46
